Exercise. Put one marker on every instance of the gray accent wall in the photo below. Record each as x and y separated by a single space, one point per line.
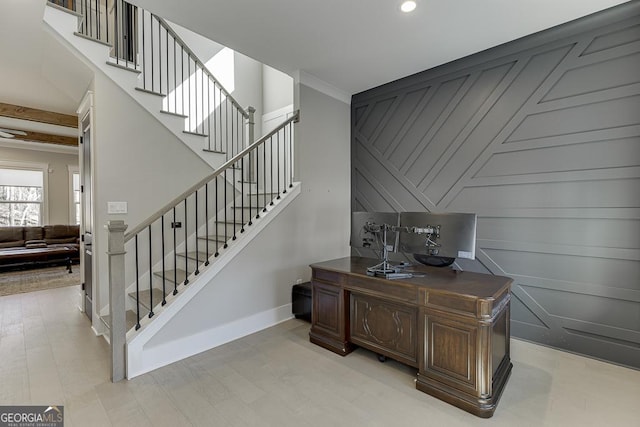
541 138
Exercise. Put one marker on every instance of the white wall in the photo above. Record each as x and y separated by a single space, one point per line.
246 87
277 89
315 227
137 160
58 179
204 48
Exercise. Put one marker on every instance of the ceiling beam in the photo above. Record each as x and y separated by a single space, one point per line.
35 115
47 138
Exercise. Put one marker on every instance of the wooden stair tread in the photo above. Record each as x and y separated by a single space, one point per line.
201 255
146 294
247 207
181 275
230 222
130 318
188 132
213 238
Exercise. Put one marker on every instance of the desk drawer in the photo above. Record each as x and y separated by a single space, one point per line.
383 288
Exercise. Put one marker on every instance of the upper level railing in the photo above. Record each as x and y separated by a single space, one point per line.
144 42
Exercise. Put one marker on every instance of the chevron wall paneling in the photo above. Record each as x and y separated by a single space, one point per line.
540 138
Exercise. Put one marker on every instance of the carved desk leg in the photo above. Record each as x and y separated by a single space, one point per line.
330 318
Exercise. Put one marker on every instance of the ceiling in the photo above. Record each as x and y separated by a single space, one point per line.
355 45
351 45
35 70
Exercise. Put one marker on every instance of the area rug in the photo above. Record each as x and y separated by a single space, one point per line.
37 279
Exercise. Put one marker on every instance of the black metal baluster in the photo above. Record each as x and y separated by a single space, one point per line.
160 55
242 194
238 142
290 154
206 222
129 30
175 255
224 182
135 27
182 71
284 160
271 145
186 258
196 228
137 286
202 96
221 123
166 43
208 112
278 161
175 78
116 24
144 62
216 216
90 14
189 90
97 20
164 270
106 14
125 25
150 277
218 120
251 157
226 125
196 128
234 207
264 173
153 61
85 20
213 113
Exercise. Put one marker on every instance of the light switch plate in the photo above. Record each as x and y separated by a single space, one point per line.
116 207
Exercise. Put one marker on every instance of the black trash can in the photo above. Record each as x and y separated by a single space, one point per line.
301 301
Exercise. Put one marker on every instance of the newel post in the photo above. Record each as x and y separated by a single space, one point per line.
118 331
251 122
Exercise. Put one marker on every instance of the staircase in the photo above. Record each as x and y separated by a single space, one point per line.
165 261
143 54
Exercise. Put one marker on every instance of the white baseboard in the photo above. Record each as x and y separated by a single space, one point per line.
156 357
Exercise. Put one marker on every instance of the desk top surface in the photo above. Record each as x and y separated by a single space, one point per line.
444 279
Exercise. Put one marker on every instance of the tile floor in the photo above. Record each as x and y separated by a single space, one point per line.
277 378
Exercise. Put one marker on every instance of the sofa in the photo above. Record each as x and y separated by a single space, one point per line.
23 246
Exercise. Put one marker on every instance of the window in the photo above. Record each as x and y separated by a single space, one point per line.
75 196
22 196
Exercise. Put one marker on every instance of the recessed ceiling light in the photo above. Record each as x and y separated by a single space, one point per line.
408 6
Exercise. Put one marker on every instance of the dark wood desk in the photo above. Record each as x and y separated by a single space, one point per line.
452 326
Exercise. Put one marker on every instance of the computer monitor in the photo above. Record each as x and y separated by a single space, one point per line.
367 230
438 239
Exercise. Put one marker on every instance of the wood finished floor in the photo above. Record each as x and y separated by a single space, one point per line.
49 355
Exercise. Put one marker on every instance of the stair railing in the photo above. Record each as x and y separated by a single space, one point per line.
193 229
145 42
172 69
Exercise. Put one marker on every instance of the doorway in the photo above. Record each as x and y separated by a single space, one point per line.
86 250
